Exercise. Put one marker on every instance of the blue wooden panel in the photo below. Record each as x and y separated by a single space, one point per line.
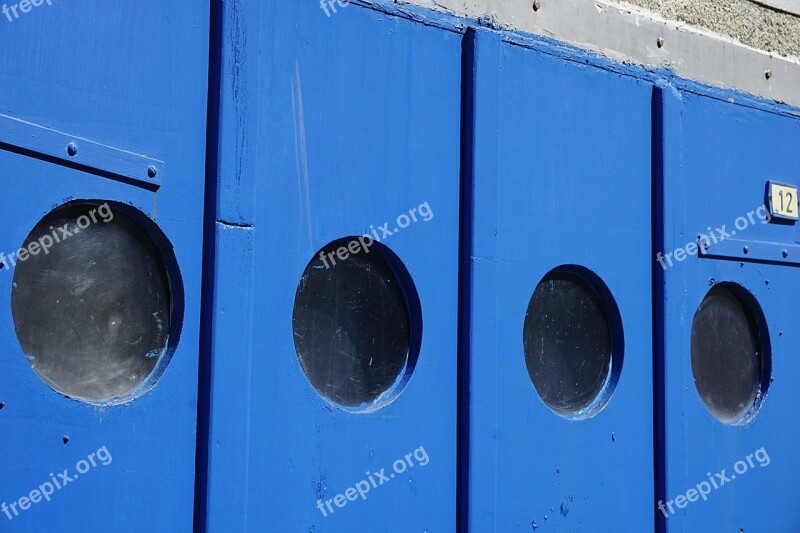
561 177
127 82
329 125
718 157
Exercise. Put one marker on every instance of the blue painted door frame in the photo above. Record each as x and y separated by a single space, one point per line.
330 125
125 82
560 176
717 158
550 138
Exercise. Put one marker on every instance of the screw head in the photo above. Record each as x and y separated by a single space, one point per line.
72 149
152 172
537 5
660 42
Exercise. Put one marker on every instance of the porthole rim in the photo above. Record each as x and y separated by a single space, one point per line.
600 290
410 295
758 321
162 244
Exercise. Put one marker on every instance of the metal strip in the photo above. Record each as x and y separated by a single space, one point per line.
749 251
630 34
58 147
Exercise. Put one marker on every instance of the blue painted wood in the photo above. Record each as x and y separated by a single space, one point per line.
561 177
131 77
329 125
325 125
717 158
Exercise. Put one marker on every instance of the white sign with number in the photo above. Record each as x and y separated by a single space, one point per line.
783 201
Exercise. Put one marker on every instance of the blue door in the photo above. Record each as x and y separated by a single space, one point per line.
102 153
333 331
728 271
560 387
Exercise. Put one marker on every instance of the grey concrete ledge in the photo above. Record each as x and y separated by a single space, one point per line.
634 34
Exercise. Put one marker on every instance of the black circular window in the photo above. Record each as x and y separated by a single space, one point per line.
572 350
356 323
91 302
730 353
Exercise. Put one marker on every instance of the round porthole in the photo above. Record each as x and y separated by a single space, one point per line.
572 339
93 301
730 353
357 324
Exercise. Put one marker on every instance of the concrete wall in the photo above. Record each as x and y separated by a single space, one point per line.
740 44
750 23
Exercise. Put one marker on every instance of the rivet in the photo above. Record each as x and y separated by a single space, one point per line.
151 171
72 149
537 4
785 254
746 250
65 439
660 42
768 74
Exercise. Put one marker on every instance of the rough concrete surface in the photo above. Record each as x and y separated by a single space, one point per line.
748 22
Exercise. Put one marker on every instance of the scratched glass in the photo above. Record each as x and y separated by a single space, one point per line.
91 302
730 359
568 343
352 325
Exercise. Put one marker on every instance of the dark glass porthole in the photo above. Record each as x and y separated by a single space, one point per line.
730 353
356 324
573 342
92 302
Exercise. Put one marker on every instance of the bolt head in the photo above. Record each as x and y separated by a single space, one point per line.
152 172
660 42
537 5
72 149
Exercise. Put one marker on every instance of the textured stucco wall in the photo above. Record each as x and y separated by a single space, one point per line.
753 23
748 22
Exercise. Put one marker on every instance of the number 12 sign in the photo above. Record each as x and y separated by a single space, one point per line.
782 201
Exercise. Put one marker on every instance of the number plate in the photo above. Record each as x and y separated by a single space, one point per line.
782 201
